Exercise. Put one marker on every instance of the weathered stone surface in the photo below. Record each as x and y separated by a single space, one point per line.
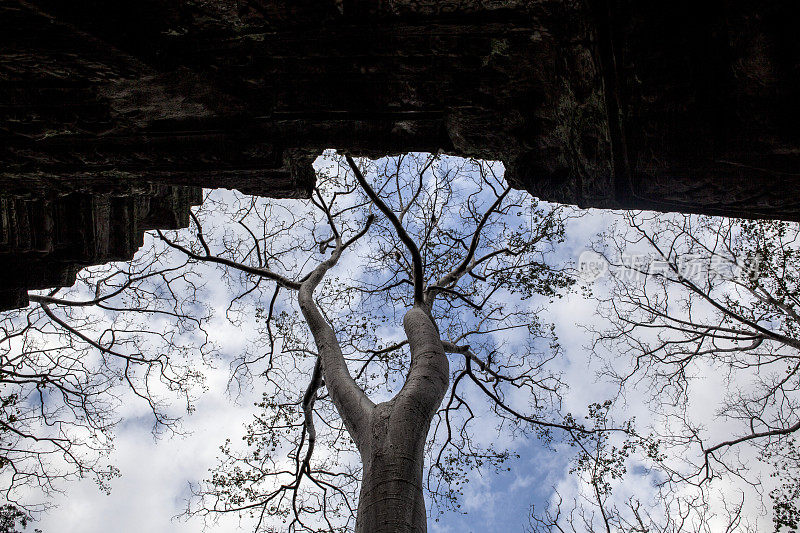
46 239
171 89
600 103
603 103
708 105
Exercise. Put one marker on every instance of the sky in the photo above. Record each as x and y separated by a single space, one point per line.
156 473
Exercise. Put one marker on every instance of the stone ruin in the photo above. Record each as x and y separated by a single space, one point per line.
114 113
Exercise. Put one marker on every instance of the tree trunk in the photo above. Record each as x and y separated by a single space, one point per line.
391 499
390 436
393 451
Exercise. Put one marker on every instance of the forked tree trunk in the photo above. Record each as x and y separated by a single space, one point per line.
391 499
390 436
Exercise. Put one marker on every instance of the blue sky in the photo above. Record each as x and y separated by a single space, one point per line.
156 473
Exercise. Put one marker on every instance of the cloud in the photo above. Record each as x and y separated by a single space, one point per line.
156 473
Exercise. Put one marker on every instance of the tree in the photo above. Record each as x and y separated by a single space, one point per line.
441 242
353 405
601 463
66 360
695 297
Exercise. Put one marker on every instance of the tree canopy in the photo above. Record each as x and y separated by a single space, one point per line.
396 326
443 242
695 300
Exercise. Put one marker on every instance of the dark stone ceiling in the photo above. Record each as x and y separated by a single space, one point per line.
674 106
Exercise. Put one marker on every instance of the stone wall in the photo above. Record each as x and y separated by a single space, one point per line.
600 103
46 239
673 106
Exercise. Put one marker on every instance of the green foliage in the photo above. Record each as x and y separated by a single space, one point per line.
599 457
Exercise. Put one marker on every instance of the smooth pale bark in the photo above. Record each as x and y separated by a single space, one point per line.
392 499
351 403
390 436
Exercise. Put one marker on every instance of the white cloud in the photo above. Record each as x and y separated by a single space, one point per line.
156 473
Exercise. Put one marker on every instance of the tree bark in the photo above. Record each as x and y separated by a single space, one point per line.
390 436
351 402
393 452
391 498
